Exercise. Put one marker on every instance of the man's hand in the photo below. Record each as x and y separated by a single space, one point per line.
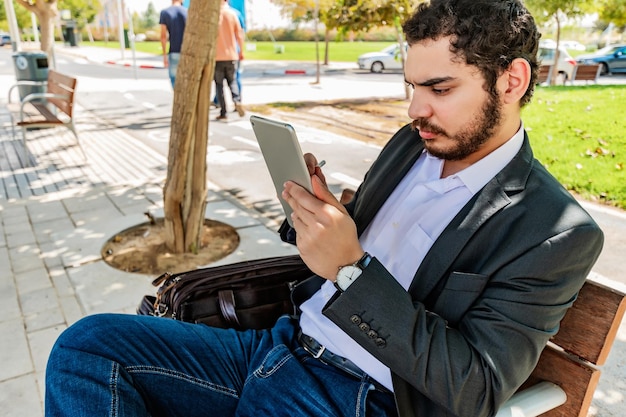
165 62
326 234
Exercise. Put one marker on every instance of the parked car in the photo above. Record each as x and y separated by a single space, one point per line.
566 63
612 59
388 58
5 39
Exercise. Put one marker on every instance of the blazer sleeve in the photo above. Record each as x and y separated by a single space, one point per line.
470 367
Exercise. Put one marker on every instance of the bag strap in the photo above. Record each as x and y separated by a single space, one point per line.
227 306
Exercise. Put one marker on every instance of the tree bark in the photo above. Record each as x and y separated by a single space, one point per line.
185 187
46 12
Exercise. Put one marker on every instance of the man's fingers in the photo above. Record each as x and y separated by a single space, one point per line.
321 191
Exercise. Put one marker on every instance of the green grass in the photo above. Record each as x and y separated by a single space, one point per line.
292 51
578 133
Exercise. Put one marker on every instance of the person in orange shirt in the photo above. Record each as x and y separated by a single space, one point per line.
229 51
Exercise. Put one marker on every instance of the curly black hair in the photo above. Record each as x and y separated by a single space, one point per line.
488 34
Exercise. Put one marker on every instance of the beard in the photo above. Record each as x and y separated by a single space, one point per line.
469 139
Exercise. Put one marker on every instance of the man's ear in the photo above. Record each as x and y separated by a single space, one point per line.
515 80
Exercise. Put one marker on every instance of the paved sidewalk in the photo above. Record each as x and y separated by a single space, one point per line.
55 216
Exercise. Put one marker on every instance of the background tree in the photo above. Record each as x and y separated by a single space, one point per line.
185 189
304 10
557 11
614 11
46 12
22 16
83 11
363 15
150 18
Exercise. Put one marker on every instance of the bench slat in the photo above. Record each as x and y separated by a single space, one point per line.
62 84
578 379
590 326
586 72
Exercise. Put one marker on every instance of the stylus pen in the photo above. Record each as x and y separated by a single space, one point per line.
321 163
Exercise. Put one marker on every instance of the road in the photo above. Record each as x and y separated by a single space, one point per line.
140 101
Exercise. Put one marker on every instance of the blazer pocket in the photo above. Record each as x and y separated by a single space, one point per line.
461 291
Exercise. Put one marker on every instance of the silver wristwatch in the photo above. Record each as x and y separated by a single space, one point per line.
349 273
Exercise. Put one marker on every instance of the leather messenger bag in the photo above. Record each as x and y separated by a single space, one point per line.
244 295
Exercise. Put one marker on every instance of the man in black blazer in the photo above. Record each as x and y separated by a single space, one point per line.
437 286
497 280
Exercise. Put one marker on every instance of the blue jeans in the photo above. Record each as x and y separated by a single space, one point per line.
125 365
172 58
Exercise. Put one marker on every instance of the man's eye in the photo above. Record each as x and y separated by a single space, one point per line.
440 91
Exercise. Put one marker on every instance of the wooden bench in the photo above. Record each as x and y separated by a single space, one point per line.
586 72
568 371
53 108
545 74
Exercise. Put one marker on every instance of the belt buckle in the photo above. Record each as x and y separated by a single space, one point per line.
317 355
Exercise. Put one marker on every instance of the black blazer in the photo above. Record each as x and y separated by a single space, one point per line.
488 295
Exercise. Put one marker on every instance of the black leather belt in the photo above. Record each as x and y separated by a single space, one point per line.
318 351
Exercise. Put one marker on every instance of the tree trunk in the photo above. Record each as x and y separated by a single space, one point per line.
46 12
185 187
557 53
400 37
326 44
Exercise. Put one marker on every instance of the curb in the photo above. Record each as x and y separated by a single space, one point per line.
128 64
295 71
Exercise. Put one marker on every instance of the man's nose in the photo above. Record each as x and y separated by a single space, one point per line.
419 107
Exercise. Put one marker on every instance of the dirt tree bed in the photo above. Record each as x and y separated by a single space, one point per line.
141 248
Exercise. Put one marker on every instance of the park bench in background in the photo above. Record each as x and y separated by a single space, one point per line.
53 108
545 73
568 371
586 72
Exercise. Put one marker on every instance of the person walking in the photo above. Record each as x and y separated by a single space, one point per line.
172 20
229 51
238 68
437 286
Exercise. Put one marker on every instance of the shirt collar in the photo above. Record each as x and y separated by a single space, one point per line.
477 175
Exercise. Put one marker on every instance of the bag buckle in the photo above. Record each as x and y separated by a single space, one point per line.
160 310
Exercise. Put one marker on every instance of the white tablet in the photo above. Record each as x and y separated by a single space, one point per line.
283 156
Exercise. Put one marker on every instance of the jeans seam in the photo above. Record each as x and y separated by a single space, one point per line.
113 387
182 376
364 388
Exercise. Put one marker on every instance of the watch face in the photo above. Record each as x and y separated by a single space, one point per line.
346 275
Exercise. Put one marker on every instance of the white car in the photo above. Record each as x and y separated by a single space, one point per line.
573 45
566 62
388 58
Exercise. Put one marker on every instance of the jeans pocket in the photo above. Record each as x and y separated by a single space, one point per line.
273 361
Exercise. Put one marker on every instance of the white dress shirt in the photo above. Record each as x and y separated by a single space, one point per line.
400 236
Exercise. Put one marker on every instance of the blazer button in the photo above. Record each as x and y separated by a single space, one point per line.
355 319
380 342
364 327
372 334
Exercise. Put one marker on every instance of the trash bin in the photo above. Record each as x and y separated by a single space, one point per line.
69 32
31 66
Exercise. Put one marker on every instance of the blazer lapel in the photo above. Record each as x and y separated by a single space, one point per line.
487 202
